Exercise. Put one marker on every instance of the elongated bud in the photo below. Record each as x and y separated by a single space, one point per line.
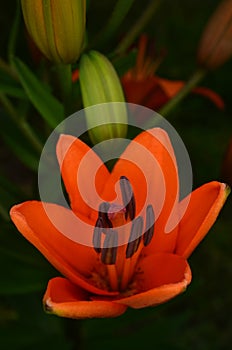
57 27
100 85
216 43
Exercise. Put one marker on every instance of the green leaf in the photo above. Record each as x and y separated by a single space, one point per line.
11 88
115 20
46 104
22 153
12 136
8 82
12 91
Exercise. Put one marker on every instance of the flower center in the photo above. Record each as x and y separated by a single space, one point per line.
113 221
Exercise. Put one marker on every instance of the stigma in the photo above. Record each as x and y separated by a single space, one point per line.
113 219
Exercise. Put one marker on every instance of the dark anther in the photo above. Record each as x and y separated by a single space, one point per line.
135 236
127 197
150 225
103 213
97 235
103 224
109 250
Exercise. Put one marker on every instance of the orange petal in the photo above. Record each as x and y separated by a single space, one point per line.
73 260
150 165
79 165
64 299
159 277
171 88
146 92
211 95
202 211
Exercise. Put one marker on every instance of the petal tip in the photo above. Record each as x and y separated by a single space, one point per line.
227 190
47 305
14 211
63 144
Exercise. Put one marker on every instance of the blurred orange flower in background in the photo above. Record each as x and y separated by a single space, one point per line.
142 86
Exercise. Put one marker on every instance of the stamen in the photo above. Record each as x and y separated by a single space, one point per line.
150 225
97 233
109 250
127 197
103 213
135 237
125 274
113 276
116 210
102 224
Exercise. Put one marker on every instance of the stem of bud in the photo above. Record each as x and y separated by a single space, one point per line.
197 76
64 72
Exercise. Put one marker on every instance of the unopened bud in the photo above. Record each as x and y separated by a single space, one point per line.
57 27
100 84
216 43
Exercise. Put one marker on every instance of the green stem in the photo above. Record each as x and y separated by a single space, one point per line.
21 124
120 11
137 28
186 89
14 32
64 72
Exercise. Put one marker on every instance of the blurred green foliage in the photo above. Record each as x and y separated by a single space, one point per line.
198 320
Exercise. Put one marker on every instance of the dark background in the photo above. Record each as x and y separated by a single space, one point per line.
198 319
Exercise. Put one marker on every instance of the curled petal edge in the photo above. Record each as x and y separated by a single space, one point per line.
64 299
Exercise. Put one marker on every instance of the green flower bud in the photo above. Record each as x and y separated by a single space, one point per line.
100 84
57 27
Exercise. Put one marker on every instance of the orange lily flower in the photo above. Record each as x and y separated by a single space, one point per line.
149 267
142 87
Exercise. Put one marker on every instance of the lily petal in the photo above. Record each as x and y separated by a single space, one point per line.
171 88
73 260
203 208
65 299
78 165
159 277
211 95
153 92
146 92
150 165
